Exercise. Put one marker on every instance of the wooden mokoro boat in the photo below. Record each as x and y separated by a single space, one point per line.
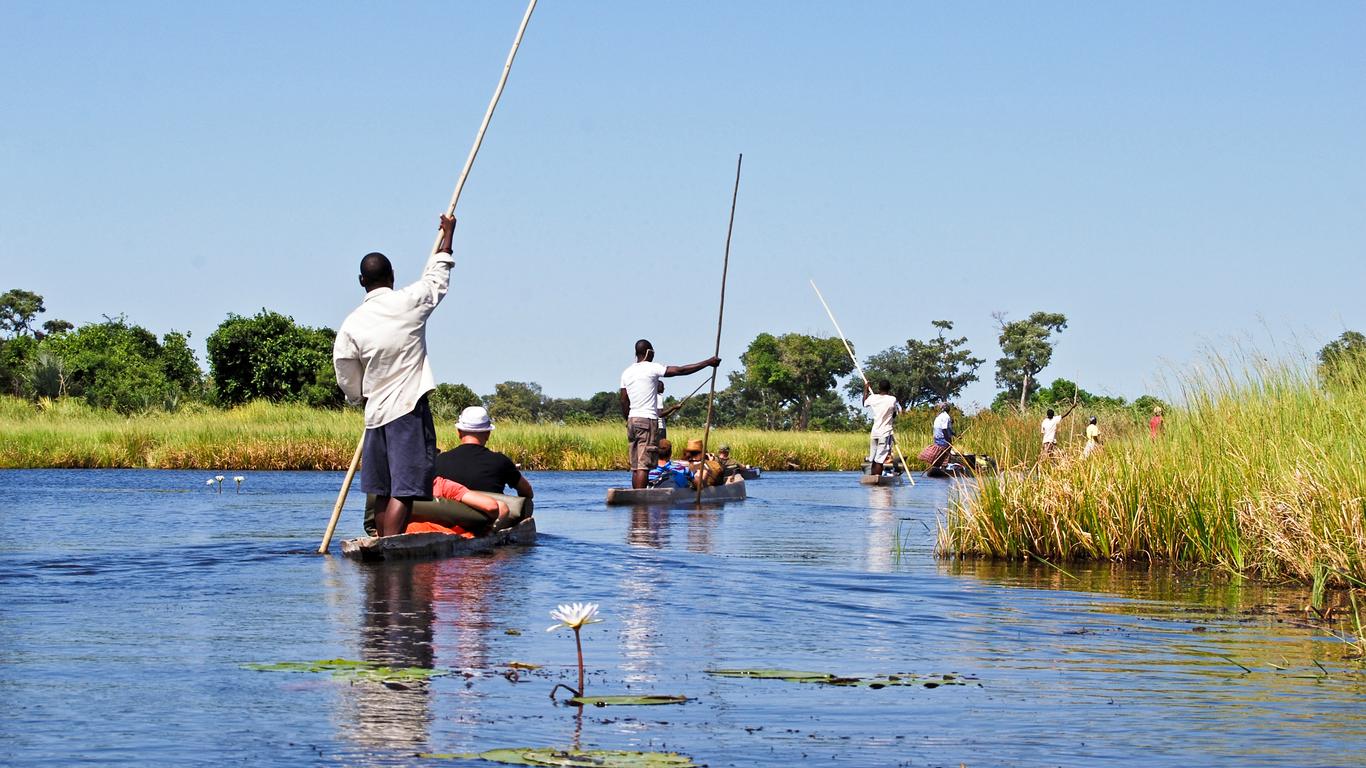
963 465
408 546
751 473
446 512
866 479
732 490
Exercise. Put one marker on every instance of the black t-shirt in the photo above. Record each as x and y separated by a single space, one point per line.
477 468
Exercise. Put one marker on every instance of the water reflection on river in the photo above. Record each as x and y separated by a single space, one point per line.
122 638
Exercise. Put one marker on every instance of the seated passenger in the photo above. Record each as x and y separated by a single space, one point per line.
729 466
705 470
668 473
474 466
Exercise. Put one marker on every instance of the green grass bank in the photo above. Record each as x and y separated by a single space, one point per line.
1262 473
261 436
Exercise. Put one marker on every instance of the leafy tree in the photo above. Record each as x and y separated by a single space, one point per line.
15 357
516 401
18 307
795 370
1343 360
46 375
1144 405
448 400
121 366
922 373
1026 350
56 327
269 356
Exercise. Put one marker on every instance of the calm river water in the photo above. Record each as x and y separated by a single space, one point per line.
133 599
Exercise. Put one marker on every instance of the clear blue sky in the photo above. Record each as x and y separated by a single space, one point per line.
1167 174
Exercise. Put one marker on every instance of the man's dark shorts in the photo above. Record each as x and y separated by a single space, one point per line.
398 458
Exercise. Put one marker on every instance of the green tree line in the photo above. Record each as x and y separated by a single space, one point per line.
789 381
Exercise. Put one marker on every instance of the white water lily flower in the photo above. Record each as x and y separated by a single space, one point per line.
238 479
209 482
574 616
219 478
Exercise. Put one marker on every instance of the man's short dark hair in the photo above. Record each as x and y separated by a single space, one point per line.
642 347
375 269
884 386
1050 413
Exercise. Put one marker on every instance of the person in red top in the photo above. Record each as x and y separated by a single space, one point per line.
1155 423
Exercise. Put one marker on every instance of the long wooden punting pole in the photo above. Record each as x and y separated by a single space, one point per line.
720 315
905 468
450 211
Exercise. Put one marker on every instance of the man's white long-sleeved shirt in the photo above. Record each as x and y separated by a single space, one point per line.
381 350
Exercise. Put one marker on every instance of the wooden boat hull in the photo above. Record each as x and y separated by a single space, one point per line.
410 546
733 490
879 479
751 473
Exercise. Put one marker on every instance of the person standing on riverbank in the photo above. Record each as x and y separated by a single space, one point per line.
639 397
880 439
380 357
1155 423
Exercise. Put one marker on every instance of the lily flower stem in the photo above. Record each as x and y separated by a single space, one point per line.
579 644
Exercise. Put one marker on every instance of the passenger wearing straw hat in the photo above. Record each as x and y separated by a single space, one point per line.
380 357
475 466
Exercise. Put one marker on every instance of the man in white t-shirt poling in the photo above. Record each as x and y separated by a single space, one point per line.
639 396
885 408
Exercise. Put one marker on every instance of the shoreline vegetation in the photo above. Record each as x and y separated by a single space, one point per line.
1262 473
261 435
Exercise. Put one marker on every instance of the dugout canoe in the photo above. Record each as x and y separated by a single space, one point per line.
446 512
412 546
732 490
751 473
866 479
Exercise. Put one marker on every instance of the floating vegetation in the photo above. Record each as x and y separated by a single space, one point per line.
619 701
355 670
523 665
600 758
827 678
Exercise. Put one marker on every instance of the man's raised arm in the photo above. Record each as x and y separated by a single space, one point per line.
684 370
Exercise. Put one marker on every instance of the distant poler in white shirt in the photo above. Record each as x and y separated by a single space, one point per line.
1049 428
885 408
639 396
380 356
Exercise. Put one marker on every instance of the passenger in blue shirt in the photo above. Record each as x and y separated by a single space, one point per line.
668 473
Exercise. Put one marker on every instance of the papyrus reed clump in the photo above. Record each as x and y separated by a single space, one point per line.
1263 472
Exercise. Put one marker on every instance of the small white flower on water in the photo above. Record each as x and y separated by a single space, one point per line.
574 616
219 478
238 479
209 482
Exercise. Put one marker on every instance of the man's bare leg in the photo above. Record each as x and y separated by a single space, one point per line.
639 478
876 467
391 514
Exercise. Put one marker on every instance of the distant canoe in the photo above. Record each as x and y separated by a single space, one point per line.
751 473
410 546
733 490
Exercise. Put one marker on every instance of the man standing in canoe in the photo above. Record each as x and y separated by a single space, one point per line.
885 408
639 397
380 356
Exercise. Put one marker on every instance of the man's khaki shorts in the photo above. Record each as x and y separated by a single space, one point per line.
640 433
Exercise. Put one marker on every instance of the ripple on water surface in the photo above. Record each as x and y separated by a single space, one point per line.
135 599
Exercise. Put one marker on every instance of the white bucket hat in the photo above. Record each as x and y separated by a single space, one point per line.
474 419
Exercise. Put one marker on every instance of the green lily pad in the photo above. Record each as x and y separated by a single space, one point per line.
546 756
617 701
354 670
790 675
826 678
